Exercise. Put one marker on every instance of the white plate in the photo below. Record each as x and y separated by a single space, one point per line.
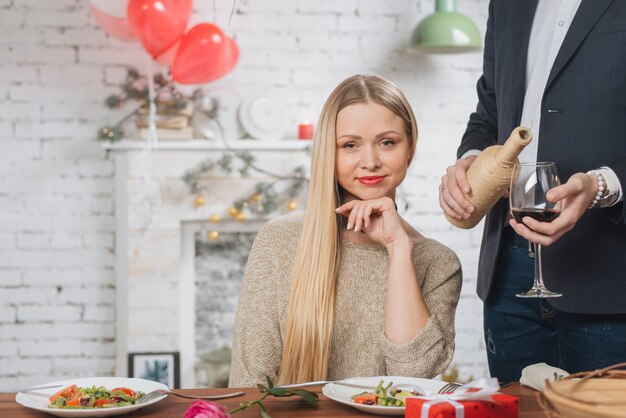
343 394
262 117
229 100
38 402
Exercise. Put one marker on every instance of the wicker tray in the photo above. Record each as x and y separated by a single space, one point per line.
601 393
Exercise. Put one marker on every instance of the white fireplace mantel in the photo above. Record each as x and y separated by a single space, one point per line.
210 145
155 218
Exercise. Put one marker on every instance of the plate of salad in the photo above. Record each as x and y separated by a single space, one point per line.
91 397
373 394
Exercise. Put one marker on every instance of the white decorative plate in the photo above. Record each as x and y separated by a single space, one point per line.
228 101
39 400
343 394
262 117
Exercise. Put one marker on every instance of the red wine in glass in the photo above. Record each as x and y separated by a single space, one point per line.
529 184
541 215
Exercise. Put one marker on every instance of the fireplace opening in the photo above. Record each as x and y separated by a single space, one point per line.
213 261
220 262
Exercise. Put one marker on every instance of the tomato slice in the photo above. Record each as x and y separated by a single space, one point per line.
101 402
366 399
68 392
127 391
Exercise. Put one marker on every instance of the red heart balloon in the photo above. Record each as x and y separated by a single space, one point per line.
167 58
159 24
232 56
204 54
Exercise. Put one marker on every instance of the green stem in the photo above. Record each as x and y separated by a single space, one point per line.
251 403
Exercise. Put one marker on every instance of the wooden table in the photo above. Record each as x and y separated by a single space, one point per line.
174 407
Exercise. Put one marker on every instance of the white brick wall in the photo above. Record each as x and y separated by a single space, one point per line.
56 183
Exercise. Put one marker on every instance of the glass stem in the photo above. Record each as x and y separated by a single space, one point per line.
538 270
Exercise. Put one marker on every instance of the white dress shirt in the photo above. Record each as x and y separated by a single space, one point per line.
550 25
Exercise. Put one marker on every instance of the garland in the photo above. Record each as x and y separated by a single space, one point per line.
135 87
265 198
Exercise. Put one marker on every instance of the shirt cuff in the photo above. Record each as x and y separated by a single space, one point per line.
612 184
470 153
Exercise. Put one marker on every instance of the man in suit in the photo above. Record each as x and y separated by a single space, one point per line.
559 68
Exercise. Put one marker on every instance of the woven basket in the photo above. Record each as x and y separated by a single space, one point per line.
601 393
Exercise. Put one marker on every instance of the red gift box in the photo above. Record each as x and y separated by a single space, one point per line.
504 406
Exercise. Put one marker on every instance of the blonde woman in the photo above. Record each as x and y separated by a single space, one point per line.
349 288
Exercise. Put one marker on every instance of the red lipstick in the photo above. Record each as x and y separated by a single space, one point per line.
370 180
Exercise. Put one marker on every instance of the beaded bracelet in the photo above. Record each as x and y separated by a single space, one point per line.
601 188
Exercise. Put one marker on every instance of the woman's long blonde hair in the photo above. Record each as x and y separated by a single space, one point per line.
306 346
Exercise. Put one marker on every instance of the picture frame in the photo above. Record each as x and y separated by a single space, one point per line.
162 367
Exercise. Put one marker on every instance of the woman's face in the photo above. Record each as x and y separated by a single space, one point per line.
373 151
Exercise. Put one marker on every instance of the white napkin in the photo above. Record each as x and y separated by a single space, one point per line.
535 375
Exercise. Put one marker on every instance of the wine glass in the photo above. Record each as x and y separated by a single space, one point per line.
529 184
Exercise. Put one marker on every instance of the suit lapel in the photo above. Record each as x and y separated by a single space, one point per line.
586 17
525 12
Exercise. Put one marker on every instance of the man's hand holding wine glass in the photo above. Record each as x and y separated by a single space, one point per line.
574 197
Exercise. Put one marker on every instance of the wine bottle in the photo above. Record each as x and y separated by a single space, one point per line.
489 175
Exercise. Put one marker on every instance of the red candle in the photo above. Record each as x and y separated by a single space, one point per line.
305 130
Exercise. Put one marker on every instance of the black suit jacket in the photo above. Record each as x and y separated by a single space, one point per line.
584 129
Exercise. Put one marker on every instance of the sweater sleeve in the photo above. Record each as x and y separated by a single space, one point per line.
257 343
431 350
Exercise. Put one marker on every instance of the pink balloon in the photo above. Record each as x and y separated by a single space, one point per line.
204 54
159 24
117 27
115 8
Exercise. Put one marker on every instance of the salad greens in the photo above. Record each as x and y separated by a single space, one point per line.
381 397
73 397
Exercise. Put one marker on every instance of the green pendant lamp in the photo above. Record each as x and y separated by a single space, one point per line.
445 32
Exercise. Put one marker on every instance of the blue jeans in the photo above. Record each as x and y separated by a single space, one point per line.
520 332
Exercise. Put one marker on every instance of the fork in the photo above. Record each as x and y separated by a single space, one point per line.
159 392
449 387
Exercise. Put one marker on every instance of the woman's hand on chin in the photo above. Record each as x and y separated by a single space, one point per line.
378 218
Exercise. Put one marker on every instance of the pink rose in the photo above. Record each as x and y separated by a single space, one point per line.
205 409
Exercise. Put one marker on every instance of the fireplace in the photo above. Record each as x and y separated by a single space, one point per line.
159 231
213 292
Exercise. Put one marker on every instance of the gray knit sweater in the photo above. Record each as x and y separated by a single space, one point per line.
359 346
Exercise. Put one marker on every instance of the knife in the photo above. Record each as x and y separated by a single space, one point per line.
30 389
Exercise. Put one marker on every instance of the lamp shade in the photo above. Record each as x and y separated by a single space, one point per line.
446 31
